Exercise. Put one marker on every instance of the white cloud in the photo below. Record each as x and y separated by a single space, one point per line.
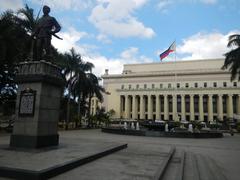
198 46
164 4
204 46
103 38
209 1
101 63
115 18
115 65
129 53
11 4
70 39
67 4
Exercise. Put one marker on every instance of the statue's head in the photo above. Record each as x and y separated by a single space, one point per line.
46 10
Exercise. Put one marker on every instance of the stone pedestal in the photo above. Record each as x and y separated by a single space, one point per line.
37 107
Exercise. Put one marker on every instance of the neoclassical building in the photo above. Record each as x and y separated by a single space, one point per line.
181 90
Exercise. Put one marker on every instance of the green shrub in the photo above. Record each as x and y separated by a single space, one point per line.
238 127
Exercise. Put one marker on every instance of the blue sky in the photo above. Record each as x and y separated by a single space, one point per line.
111 33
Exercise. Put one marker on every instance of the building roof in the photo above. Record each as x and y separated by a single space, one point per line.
170 68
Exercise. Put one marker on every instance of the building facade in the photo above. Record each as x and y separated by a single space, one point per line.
181 90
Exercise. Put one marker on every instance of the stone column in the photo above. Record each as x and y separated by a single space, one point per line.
142 109
230 106
95 105
150 108
210 108
183 108
201 113
134 107
238 104
121 106
157 107
166 112
127 107
174 108
220 107
192 107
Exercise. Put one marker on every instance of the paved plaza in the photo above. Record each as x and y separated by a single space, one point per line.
142 158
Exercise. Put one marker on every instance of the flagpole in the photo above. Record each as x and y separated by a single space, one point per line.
175 78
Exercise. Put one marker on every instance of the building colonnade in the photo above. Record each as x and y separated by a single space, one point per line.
203 107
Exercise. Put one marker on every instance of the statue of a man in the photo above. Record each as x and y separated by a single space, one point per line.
45 28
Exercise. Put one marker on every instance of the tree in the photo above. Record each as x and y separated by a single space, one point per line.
27 19
80 85
12 50
70 66
232 60
94 88
15 44
75 72
8 89
13 39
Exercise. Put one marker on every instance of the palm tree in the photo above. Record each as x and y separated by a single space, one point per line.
80 84
27 19
94 88
232 60
71 66
75 72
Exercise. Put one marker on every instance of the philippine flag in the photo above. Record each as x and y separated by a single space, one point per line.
172 48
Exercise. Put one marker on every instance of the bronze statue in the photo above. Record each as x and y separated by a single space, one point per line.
45 28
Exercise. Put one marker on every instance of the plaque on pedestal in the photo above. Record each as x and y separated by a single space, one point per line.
27 102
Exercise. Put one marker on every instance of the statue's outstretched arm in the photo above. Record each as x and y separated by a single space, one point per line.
57 26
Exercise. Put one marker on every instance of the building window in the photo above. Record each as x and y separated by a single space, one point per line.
178 85
161 86
235 84
169 85
205 84
153 86
214 84
186 85
195 85
122 87
145 86
137 86
129 86
224 84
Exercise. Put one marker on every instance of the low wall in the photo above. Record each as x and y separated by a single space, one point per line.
124 131
163 134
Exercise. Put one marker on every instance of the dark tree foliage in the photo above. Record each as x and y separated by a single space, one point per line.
8 87
16 45
232 60
14 41
13 48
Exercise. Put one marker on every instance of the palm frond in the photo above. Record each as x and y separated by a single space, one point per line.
234 40
232 63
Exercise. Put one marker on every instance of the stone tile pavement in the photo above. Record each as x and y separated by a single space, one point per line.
141 159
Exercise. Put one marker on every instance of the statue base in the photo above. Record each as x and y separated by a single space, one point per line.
37 106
